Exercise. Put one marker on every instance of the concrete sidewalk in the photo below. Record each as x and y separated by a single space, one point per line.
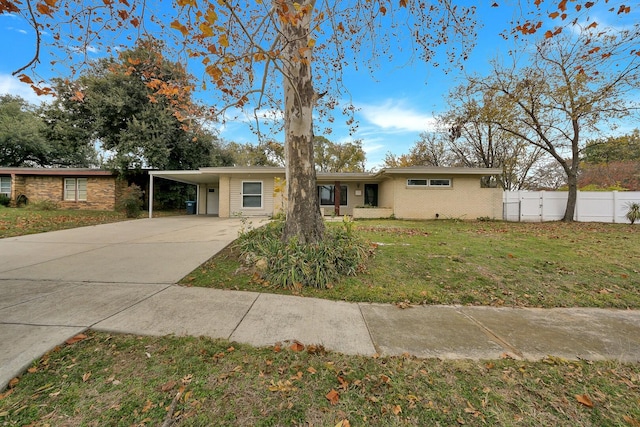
73 284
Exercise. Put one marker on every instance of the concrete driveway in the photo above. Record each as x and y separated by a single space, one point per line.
55 285
159 250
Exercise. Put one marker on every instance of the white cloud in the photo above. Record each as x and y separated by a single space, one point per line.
17 30
395 115
10 85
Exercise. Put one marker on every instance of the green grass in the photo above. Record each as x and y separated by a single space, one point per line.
476 263
110 380
21 221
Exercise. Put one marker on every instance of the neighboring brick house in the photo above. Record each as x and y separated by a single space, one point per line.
408 193
70 188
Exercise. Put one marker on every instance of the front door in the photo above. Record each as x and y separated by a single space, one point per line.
371 194
213 203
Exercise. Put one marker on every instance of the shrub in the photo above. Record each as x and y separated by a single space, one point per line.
131 201
633 214
4 200
42 205
293 264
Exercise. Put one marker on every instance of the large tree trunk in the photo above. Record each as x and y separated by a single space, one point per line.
303 219
572 199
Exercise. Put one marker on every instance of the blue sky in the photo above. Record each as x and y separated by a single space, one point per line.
392 110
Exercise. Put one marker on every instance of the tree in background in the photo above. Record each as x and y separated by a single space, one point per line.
475 140
612 162
21 139
572 85
613 148
429 150
333 157
267 153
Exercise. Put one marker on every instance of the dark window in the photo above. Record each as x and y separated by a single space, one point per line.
326 194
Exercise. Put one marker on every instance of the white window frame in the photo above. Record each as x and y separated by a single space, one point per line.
344 191
448 185
411 182
3 185
243 194
428 182
72 191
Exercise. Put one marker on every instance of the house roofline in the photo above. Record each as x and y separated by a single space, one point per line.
432 170
56 171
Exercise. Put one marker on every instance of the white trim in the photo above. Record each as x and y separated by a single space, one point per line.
242 194
5 178
428 183
76 190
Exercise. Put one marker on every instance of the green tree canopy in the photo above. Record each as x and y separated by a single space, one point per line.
138 108
21 139
333 157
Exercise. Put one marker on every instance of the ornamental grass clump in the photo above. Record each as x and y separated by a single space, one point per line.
293 265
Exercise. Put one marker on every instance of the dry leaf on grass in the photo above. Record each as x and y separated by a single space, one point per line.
75 339
297 346
585 400
333 397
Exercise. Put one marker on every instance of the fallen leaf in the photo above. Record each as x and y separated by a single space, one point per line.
147 406
333 397
32 369
86 377
297 346
343 423
75 339
396 410
168 386
585 400
311 370
6 394
344 384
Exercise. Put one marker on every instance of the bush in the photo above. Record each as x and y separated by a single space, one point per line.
292 265
4 200
42 205
633 214
131 201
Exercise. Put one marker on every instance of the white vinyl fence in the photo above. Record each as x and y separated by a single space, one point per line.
592 206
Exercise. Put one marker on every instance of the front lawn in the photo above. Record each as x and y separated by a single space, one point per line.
20 221
108 380
475 262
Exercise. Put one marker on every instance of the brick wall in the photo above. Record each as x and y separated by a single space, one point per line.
101 191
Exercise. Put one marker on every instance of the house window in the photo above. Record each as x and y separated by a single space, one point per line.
252 194
5 185
433 182
75 189
327 195
440 182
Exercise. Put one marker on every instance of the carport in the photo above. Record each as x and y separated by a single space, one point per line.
207 182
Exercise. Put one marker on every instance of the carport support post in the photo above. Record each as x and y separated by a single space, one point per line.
150 195
198 199
336 197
